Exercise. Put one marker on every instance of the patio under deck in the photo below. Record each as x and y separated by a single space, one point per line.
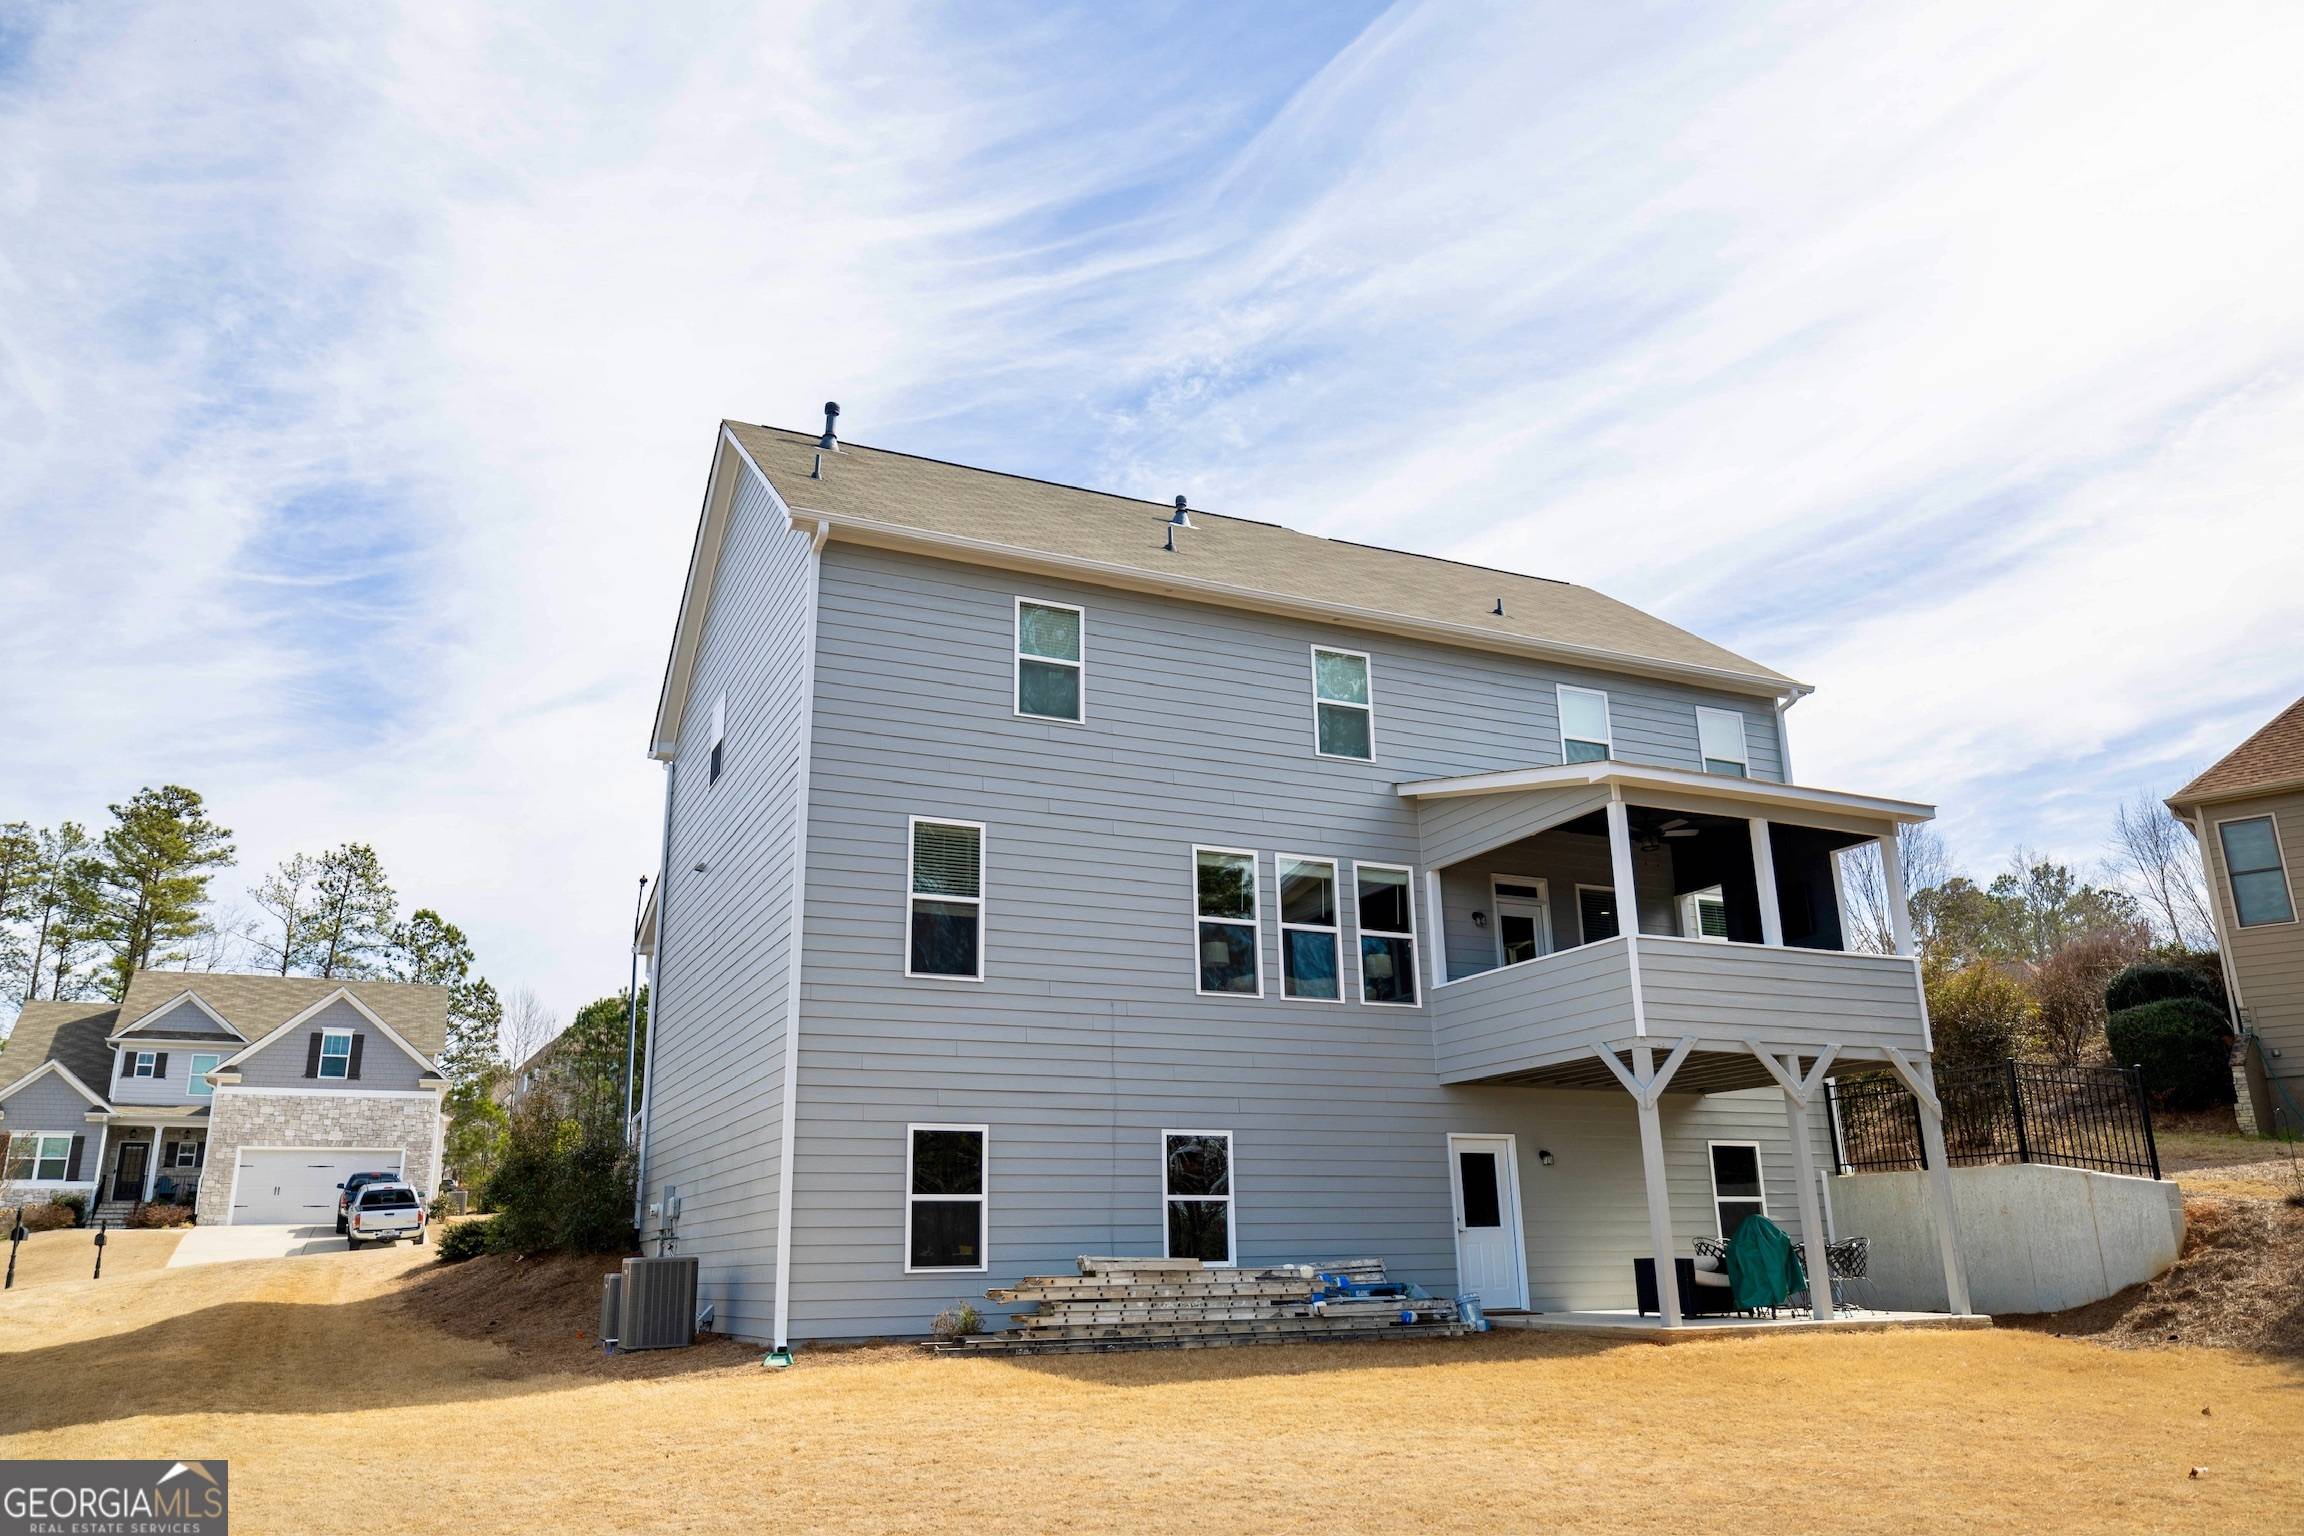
1634 1327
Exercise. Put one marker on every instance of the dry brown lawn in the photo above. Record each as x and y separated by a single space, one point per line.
312 1374
52 1258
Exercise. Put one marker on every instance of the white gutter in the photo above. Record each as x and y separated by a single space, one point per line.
1678 780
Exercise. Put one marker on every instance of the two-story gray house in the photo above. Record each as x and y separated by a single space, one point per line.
1048 872
248 1098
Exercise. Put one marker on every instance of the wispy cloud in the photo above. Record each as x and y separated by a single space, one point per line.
359 367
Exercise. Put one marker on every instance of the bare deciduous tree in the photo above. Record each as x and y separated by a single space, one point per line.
1864 887
528 1024
2156 858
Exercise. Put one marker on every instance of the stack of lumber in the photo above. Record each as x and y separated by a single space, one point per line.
1123 1303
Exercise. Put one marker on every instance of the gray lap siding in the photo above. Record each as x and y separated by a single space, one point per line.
283 1060
1087 1039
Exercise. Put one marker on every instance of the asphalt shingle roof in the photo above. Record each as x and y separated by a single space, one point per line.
72 1033
2273 758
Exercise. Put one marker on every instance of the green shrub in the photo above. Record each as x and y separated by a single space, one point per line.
2183 1046
2154 981
75 1202
1980 1015
957 1321
564 1180
461 1240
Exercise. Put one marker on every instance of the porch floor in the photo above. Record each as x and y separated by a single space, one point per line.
1650 1329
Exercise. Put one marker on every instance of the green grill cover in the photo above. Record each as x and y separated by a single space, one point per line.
1763 1267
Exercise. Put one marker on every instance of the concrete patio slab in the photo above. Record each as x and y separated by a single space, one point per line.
1650 1329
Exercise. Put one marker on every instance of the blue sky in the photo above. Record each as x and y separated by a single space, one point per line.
358 367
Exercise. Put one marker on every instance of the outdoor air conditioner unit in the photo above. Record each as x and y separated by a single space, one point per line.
659 1304
611 1309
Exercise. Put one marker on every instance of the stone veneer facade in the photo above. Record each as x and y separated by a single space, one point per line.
255 1118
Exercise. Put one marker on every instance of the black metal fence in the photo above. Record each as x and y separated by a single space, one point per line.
2017 1112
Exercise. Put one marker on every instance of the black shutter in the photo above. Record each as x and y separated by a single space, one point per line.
72 1168
352 1071
160 1065
200 1153
312 1055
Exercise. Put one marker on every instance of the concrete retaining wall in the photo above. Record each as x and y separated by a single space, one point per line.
2037 1238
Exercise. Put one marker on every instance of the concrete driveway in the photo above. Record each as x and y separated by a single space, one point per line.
219 1245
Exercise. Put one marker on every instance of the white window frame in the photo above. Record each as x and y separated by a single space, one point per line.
1691 921
1280 915
1360 931
1256 877
144 1065
1230 1197
40 1140
1607 719
715 762
1016 644
2279 850
320 1071
1581 888
1496 898
1712 1177
982 1200
983 906
1368 667
196 1079
1725 718
181 1155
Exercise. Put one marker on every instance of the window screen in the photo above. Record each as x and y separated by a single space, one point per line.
1736 1186
944 1198
1198 1195
1346 718
947 900
1050 669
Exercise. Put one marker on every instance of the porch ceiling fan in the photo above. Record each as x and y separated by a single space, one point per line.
1653 833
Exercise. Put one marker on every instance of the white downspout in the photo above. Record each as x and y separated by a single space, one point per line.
655 997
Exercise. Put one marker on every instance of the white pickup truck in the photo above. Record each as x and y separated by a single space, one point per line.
384 1213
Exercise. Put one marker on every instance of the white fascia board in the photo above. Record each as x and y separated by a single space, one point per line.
185 996
1674 780
60 1070
2179 802
341 994
946 546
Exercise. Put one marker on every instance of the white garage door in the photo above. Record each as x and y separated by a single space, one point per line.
298 1185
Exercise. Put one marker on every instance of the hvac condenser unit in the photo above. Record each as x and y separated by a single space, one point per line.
659 1304
611 1309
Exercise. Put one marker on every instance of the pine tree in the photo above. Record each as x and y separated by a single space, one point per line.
286 896
157 859
350 928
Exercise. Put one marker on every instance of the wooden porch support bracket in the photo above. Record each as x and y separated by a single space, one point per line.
1799 1092
1917 1077
1646 1083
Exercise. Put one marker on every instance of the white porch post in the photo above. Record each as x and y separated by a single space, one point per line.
1620 861
1652 1172
1436 931
1899 906
1811 1207
152 1163
1764 877
1940 1195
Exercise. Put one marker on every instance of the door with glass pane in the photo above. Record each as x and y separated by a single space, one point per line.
1523 921
1483 1181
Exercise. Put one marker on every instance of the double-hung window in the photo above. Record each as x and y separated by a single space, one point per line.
1225 922
32 1156
1196 1192
944 1197
1384 904
144 1064
1595 914
1051 667
198 1085
336 1053
1704 914
1720 738
1308 928
1584 733
182 1154
2252 861
945 921
1344 718
1737 1191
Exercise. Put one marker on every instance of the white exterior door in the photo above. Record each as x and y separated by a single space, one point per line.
1486 1186
297 1185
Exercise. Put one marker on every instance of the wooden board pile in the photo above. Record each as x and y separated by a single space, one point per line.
1122 1303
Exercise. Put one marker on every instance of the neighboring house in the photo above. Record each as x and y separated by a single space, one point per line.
246 1097
516 1084
2248 814
1049 872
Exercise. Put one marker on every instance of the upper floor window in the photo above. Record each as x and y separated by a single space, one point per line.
2252 862
1595 914
1584 733
719 738
197 1084
1308 928
1225 921
1720 737
1344 718
336 1053
945 921
147 1064
1385 903
944 1198
1051 671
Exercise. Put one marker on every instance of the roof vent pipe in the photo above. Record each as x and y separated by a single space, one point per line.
1183 517
831 414
1499 608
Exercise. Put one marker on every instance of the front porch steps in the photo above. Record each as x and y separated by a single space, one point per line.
113 1213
